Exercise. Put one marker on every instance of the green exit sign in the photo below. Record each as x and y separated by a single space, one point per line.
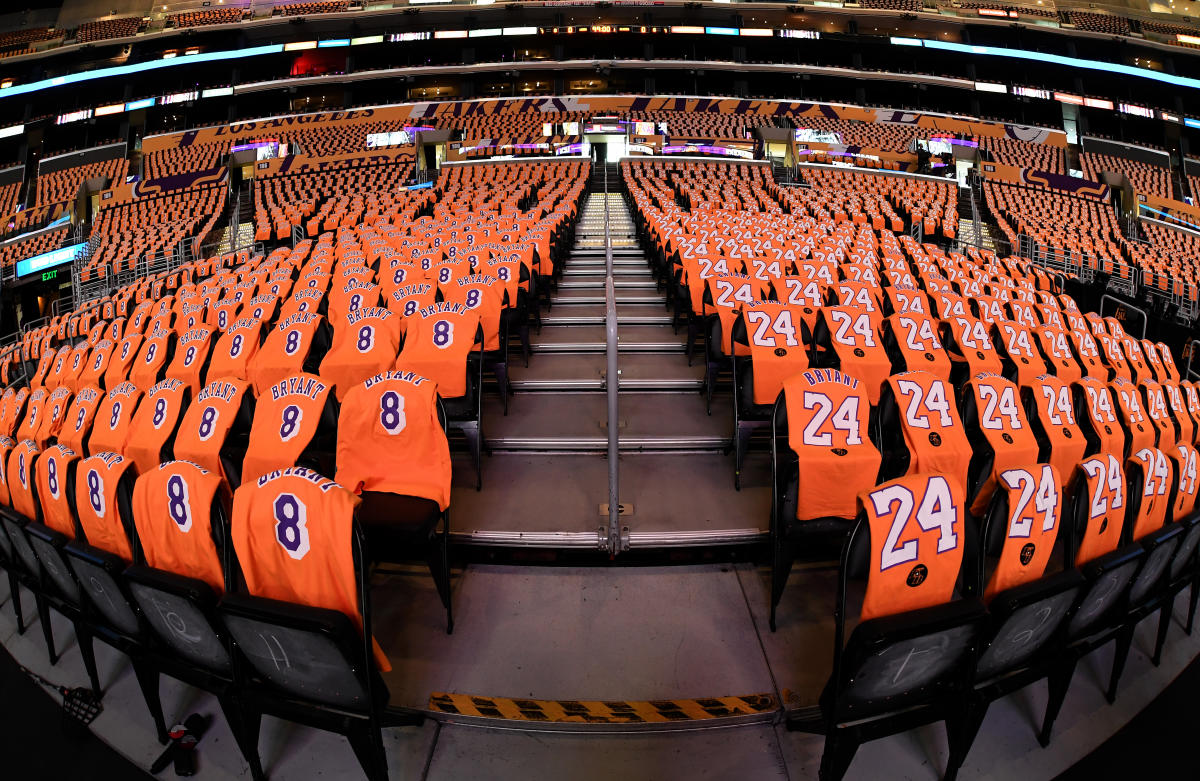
49 275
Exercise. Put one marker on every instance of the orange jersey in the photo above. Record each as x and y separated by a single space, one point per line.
172 509
365 342
97 364
1139 432
235 350
1018 346
7 445
12 407
34 410
1055 345
152 359
77 427
934 436
209 418
1185 425
97 482
286 420
55 474
437 344
916 531
1001 421
483 294
19 470
913 341
968 344
153 425
54 413
1034 510
191 356
1184 457
855 341
286 350
827 430
1053 417
121 360
1100 420
293 534
776 351
390 438
110 429
1156 473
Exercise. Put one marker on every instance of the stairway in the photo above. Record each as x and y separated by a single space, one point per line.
967 237
549 454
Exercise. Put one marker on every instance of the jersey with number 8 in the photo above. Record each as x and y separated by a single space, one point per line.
97 485
172 509
292 531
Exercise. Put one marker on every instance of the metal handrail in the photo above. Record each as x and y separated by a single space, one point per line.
1122 304
611 386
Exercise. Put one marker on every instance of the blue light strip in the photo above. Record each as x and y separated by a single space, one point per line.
1057 59
141 67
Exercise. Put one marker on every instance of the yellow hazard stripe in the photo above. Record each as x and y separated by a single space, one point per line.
602 712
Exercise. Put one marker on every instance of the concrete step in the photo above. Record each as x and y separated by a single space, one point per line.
586 372
591 339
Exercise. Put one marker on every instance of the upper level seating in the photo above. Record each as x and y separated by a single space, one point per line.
1055 220
318 7
1025 154
524 128
30 219
208 16
151 227
885 136
934 204
108 28
1172 253
1166 28
1099 23
325 140
1027 10
43 242
690 124
8 198
1145 178
894 5
20 39
321 201
1193 181
62 185
178 160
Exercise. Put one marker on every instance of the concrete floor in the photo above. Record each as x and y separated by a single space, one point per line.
631 633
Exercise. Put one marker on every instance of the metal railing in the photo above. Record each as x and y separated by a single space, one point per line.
612 387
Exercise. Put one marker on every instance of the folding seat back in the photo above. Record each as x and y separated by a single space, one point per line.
1000 435
437 345
122 360
1095 411
1167 359
912 342
296 344
12 409
110 425
849 341
365 342
484 294
1112 353
151 432
920 430
1087 350
54 473
77 362
103 485
1050 408
97 364
295 424
215 429
1017 347
909 540
1139 432
393 418
53 416
770 331
181 513
152 359
35 409
192 353
1151 478
970 348
300 555
1021 528
20 479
